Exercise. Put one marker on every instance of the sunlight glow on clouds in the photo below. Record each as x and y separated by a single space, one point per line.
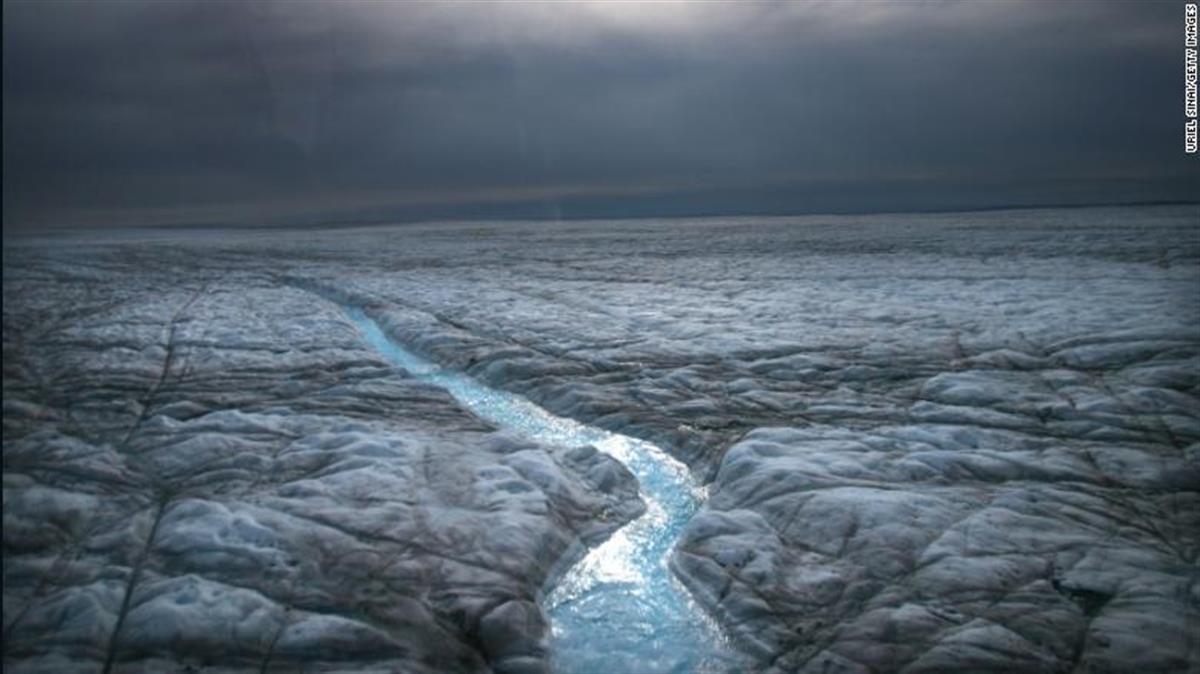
374 109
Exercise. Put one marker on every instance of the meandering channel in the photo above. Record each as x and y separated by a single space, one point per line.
619 609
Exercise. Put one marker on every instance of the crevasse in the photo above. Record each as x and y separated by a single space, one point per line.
619 609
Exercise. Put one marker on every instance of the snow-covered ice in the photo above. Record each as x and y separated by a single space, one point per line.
965 442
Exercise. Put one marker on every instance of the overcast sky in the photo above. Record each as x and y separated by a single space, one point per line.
268 112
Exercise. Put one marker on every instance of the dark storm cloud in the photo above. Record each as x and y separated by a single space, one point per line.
149 112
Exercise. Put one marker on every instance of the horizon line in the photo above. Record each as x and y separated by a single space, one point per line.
333 224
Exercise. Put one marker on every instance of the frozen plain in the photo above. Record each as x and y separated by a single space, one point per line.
951 442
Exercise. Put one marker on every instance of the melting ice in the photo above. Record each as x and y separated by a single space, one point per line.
619 609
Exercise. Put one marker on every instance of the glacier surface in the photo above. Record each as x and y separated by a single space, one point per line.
964 442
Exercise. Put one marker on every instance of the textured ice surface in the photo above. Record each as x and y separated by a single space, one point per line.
204 469
940 442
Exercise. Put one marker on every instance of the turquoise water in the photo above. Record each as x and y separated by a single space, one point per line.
619 610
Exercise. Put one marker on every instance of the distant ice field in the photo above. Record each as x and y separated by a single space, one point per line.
930 442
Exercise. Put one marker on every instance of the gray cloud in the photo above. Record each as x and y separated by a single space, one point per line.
144 112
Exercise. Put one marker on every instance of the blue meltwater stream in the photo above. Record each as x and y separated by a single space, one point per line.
619 610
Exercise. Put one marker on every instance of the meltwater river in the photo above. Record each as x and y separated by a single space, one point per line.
619 610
